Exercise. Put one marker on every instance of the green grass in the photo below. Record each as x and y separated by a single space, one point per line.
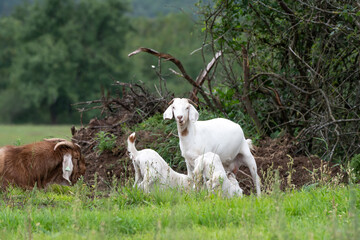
82 212
24 134
74 212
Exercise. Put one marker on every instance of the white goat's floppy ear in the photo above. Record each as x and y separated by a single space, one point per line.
193 114
168 114
67 167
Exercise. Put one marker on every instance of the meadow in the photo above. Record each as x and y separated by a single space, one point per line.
319 211
24 134
80 212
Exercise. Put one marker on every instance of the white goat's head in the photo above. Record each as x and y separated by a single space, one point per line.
234 189
182 110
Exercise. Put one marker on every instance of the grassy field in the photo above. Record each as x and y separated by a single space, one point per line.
23 134
320 211
82 213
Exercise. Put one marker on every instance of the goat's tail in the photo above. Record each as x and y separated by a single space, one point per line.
249 143
131 146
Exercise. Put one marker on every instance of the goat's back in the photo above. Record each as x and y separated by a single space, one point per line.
220 136
27 164
150 158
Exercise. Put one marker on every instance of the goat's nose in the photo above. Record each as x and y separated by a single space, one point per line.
179 117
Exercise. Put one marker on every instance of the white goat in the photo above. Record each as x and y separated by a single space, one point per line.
151 168
209 167
220 136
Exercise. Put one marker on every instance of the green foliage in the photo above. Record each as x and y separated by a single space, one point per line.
6 6
106 141
301 73
152 9
355 166
57 53
139 8
17 142
175 34
228 100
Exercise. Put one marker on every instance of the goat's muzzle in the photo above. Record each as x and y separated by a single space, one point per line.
180 119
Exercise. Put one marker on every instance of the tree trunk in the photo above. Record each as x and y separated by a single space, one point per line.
246 90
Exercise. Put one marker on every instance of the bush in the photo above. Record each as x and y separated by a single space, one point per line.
355 166
106 141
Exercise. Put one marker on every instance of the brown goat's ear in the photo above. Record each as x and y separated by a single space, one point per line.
67 167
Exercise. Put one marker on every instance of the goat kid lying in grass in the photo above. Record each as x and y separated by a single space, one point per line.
209 168
151 168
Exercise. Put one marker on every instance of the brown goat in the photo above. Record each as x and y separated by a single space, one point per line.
41 163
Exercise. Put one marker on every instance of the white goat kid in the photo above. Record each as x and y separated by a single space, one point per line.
151 168
220 136
209 167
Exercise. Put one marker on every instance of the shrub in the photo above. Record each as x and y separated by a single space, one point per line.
106 141
355 166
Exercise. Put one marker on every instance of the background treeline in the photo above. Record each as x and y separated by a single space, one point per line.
57 52
285 67
294 67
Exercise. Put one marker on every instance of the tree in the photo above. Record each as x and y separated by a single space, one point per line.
176 34
59 52
295 67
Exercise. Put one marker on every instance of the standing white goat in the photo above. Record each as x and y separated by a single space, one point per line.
209 167
220 136
151 168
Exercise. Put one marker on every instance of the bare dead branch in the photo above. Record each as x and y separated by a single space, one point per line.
182 70
169 58
205 72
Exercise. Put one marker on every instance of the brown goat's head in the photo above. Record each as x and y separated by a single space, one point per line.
79 164
73 164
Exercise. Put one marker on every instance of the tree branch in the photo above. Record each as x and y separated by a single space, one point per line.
181 68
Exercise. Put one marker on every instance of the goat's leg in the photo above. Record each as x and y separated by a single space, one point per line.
148 182
137 174
190 169
209 185
248 160
216 184
198 175
145 183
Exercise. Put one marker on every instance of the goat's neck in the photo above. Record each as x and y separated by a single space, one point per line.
185 130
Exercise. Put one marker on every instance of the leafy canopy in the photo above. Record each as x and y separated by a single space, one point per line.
56 52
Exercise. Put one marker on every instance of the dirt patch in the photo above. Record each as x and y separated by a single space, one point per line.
294 170
274 154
